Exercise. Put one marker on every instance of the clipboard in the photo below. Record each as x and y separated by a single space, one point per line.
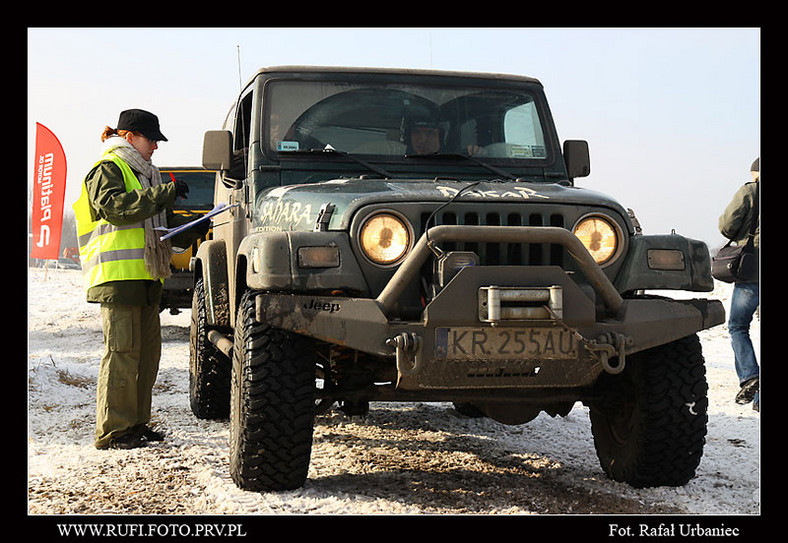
219 208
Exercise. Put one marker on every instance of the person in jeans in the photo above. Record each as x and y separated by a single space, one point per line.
735 224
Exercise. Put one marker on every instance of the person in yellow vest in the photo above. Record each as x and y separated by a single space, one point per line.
124 264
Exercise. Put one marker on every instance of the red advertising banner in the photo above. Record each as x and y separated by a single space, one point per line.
49 191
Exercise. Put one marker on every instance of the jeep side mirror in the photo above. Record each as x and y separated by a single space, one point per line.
576 158
217 150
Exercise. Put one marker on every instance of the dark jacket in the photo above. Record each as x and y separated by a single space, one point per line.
736 220
110 201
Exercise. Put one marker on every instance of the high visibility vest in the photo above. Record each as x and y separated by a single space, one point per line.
108 252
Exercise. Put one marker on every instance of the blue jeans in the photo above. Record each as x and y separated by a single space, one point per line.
744 302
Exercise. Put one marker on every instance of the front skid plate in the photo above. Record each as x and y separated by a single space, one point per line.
464 357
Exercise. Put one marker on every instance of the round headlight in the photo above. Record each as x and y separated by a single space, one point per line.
599 236
385 239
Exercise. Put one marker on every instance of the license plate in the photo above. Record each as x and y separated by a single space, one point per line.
505 343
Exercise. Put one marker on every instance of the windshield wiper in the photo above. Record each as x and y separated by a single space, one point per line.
330 150
494 169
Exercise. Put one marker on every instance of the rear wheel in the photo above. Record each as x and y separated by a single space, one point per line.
272 404
650 428
209 368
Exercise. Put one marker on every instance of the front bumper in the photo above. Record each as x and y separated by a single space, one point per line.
497 327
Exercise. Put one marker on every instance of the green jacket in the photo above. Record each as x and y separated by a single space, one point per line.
735 221
108 197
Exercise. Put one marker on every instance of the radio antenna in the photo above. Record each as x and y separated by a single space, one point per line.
240 123
240 79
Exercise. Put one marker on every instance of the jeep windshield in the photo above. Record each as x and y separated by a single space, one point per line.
396 122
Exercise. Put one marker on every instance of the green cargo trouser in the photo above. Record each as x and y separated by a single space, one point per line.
132 349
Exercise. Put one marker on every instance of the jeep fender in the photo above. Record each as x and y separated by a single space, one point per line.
211 265
271 263
669 262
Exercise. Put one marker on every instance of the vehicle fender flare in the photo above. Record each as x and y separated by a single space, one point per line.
211 266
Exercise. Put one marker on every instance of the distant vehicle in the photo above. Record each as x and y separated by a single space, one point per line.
178 288
71 253
67 264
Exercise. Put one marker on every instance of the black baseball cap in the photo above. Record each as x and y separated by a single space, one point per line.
144 122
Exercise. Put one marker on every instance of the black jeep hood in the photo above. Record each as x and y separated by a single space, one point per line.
296 207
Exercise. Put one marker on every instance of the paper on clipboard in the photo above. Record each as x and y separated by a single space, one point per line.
219 208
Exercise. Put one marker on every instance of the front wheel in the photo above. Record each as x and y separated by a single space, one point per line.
272 404
650 425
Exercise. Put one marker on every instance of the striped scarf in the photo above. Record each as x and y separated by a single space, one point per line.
157 253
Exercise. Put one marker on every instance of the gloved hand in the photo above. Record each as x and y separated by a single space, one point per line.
181 188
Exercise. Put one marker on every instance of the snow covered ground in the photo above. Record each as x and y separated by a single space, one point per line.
401 459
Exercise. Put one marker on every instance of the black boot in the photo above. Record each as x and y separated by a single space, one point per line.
127 441
747 391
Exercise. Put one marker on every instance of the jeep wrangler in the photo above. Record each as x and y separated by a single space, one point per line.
414 235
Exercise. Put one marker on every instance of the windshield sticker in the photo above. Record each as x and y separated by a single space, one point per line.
287 146
527 151
515 192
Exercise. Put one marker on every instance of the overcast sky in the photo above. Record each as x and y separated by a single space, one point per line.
672 115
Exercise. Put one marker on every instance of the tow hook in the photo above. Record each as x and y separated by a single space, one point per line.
610 345
408 350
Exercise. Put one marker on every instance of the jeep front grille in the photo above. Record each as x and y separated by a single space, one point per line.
501 254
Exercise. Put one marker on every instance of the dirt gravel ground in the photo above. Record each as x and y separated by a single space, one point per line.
400 459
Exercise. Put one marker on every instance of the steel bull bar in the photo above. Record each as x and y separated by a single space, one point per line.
372 326
409 269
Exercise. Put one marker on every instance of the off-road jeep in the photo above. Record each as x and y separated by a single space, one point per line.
403 235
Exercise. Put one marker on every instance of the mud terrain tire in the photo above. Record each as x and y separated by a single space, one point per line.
650 428
272 404
209 368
